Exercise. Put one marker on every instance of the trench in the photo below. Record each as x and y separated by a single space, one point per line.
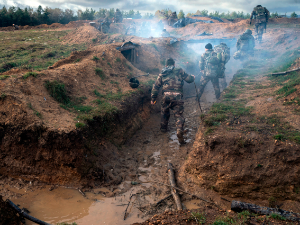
145 155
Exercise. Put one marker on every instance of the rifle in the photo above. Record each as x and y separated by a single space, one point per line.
198 97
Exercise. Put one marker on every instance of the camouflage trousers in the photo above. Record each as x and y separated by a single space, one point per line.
222 78
175 103
215 82
259 29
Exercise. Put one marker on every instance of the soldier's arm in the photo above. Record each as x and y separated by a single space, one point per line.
186 77
155 89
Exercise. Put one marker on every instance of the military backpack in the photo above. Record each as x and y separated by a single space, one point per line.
212 64
224 52
260 13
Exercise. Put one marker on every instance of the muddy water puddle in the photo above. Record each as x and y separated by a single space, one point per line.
68 205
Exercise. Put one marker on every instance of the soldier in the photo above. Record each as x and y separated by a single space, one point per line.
105 25
209 66
165 33
131 30
224 52
172 18
261 16
16 27
118 16
245 46
171 80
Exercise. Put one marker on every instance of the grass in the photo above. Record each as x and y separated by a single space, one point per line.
79 125
2 96
38 114
33 49
29 74
198 217
94 40
277 217
77 60
3 77
292 80
108 63
100 73
95 58
57 90
118 60
128 66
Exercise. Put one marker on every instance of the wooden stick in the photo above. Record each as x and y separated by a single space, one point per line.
241 206
81 192
173 185
285 72
160 201
196 196
125 214
25 215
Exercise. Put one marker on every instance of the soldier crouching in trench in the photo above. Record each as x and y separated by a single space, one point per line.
171 80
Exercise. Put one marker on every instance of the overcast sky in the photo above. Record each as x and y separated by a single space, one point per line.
281 6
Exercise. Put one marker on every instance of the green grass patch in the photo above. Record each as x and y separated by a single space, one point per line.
118 60
29 74
94 40
3 77
100 73
277 217
288 88
198 217
77 60
95 58
33 49
2 96
58 91
80 125
108 63
38 114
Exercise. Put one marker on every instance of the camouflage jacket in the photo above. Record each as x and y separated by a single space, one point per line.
171 80
210 70
245 42
260 14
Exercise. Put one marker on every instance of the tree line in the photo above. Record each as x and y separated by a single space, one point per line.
31 17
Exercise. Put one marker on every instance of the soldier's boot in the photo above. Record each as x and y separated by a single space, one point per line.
180 137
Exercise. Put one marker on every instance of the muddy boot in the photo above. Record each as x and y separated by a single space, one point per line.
180 138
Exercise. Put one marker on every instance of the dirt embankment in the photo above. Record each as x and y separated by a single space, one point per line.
39 138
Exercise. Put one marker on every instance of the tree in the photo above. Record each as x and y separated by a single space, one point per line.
274 15
180 14
294 15
188 15
138 15
204 12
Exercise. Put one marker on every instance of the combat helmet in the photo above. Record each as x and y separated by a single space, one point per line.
248 31
133 82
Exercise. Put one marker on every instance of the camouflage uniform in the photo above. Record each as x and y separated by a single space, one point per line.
211 71
118 16
16 27
165 33
171 80
261 16
224 52
245 46
105 25
172 19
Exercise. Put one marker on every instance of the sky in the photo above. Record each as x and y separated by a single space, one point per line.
144 6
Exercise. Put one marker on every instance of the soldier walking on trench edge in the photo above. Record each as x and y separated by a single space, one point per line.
210 64
171 80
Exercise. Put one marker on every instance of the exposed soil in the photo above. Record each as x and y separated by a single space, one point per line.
131 153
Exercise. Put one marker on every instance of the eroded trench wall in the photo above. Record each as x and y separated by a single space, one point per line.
31 151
